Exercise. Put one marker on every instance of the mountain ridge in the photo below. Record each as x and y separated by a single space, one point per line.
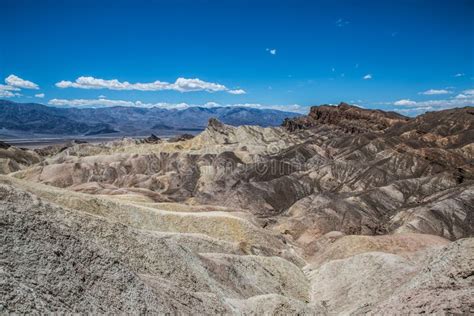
36 118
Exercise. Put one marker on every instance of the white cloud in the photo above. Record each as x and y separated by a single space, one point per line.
448 103
17 82
8 88
341 22
39 95
459 75
367 77
6 91
466 94
186 85
181 85
417 107
435 92
102 96
288 108
413 111
405 102
7 94
272 51
14 84
109 103
89 102
237 91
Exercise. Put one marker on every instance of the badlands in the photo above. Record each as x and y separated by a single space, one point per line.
342 211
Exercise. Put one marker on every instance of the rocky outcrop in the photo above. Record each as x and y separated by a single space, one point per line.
180 138
349 118
152 139
58 148
13 158
4 145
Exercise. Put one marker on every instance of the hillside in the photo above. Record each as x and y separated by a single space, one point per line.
342 211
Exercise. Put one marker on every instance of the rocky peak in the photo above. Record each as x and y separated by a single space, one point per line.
343 106
152 139
4 145
350 118
214 125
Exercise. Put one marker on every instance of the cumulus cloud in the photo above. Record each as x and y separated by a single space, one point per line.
186 85
14 84
441 104
466 94
7 94
367 77
39 95
272 51
405 102
93 102
416 107
287 108
7 91
8 88
435 92
237 91
413 111
459 75
102 102
181 85
17 82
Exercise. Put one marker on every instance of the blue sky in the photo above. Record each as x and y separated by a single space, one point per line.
414 55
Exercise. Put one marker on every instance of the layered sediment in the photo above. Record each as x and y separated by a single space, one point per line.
245 220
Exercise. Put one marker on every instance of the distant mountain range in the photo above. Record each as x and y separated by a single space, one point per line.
20 119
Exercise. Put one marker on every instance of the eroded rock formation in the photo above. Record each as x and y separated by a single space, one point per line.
345 210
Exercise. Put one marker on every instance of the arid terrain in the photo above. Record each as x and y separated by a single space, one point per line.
342 211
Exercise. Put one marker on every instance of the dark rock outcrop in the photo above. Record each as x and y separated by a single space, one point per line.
152 139
180 138
57 148
349 118
4 145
